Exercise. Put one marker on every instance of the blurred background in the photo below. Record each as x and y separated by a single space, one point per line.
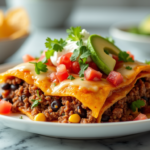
50 18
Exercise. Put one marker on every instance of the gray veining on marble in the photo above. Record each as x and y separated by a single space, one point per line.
11 139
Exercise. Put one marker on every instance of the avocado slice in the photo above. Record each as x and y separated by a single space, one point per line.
97 44
145 25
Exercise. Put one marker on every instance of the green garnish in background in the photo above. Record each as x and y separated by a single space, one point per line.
147 62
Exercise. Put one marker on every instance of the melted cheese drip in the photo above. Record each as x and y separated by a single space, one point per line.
89 85
31 67
128 73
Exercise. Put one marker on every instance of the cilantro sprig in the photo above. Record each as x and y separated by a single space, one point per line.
83 67
82 53
74 33
36 102
39 67
56 45
128 68
137 104
124 56
71 77
52 46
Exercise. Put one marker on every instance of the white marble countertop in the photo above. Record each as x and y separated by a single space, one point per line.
11 139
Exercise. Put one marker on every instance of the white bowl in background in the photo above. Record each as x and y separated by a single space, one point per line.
9 46
45 13
139 42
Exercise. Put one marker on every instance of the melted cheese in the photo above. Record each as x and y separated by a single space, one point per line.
91 94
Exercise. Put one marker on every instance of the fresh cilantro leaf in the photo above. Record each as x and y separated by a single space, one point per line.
106 51
137 104
129 68
55 45
54 84
82 49
71 77
74 33
21 117
84 60
80 43
38 93
86 54
48 43
74 55
124 56
147 62
49 53
110 39
63 114
83 67
82 79
39 66
36 102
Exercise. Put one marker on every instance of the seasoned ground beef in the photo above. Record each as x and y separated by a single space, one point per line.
23 95
121 111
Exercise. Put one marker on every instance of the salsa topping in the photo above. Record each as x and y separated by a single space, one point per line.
82 54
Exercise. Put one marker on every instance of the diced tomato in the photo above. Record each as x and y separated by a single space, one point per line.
131 55
65 59
28 58
92 75
43 56
141 117
62 72
115 78
75 67
93 65
61 68
53 77
62 75
5 107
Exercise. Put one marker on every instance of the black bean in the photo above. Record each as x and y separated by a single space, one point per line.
105 118
8 99
144 97
82 112
55 105
14 87
143 79
1 97
22 97
5 86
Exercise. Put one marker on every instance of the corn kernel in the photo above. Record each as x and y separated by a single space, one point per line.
40 117
75 118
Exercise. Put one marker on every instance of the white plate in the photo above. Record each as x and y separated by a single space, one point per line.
74 131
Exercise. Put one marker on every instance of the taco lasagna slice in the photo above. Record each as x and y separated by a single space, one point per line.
88 80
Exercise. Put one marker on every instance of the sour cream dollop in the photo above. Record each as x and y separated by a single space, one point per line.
70 47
